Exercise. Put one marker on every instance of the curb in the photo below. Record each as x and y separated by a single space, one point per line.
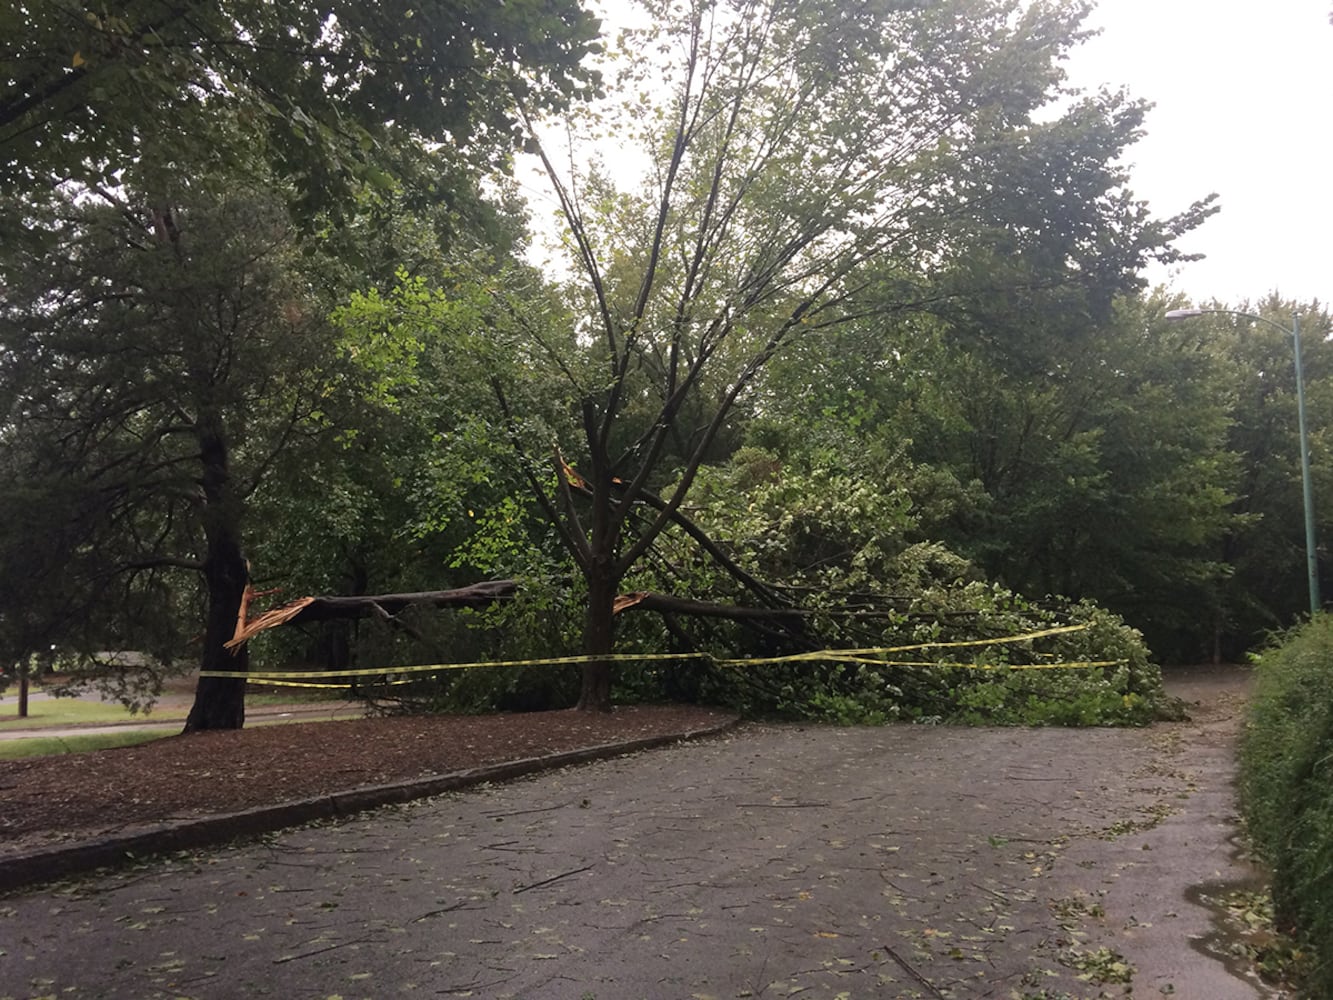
47 865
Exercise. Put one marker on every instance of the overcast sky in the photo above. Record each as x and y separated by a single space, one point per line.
1243 95
1244 104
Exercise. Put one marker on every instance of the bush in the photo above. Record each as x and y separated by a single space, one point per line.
1286 785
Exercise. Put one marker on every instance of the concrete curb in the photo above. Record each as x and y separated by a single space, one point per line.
49 864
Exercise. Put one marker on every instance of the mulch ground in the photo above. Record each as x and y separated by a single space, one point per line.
47 800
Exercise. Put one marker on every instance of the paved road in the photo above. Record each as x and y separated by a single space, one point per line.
779 861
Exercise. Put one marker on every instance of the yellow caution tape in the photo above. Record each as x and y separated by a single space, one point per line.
373 677
427 667
832 654
332 685
1061 665
874 656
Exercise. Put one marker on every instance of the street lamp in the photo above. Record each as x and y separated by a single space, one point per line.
1307 492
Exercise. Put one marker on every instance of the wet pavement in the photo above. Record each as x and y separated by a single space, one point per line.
776 861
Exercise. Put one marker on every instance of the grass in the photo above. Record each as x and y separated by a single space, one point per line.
44 746
50 712
57 713
259 695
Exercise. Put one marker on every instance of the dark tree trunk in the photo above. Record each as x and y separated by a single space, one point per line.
219 702
598 638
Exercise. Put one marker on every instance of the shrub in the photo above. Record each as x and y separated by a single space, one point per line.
1286 785
539 623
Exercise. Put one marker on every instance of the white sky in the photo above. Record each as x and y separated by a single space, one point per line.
1243 96
1244 104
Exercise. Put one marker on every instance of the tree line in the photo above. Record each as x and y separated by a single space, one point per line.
841 319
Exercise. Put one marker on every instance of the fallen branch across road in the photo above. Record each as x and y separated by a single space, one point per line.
323 609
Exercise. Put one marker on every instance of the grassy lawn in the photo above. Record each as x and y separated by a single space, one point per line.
41 746
75 711
257 695
48 713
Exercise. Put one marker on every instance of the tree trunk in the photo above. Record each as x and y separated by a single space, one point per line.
219 702
598 638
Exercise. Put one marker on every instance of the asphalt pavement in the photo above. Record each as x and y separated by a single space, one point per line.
774 861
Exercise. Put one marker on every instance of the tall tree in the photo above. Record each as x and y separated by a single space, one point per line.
1065 453
1265 547
418 464
332 106
801 157
157 366
1107 475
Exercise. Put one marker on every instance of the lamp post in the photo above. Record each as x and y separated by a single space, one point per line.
1307 491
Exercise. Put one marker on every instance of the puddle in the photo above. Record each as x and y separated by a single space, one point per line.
1230 941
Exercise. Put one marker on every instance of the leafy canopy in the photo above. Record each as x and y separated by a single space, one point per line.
323 89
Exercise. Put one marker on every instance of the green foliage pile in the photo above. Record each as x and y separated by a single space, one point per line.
1287 786
840 538
975 685
840 541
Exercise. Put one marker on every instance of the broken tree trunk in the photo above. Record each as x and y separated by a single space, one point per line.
323 609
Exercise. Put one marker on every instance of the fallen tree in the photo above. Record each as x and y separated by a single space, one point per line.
322 609
308 610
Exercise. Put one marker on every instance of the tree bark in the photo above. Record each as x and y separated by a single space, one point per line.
219 702
598 638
